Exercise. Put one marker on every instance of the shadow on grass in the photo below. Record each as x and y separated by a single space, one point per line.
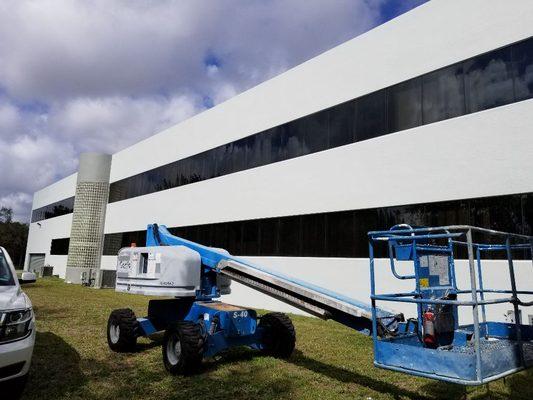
146 346
58 372
520 385
43 313
55 368
236 354
439 390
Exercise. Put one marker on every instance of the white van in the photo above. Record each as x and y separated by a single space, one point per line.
17 324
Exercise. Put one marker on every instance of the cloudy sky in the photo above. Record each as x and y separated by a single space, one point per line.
99 75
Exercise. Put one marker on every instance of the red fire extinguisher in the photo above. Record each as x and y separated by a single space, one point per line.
430 336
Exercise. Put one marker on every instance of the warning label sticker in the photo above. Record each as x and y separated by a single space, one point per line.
438 265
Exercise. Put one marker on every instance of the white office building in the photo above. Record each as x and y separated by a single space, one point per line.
425 120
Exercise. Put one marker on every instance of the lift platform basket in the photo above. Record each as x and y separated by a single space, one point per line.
434 344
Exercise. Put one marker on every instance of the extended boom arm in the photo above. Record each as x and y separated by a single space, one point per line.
313 299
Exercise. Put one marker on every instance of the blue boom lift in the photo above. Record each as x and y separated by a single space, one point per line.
432 344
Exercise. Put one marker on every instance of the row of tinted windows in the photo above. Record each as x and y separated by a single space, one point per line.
493 79
56 209
343 234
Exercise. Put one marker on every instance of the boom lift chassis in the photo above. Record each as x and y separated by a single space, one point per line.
433 344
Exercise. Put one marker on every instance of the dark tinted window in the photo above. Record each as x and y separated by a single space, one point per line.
341 234
269 230
196 168
449 213
205 235
234 233
223 160
405 105
366 221
344 234
289 236
414 215
443 94
118 191
208 165
250 238
138 238
59 247
220 236
504 214
267 143
56 209
275 140
193 233
153 182
292 137
112 244
342 124
523 57
168 177
238 156
489 80
527 207
252 150
314 235
134 187
371 116
316 132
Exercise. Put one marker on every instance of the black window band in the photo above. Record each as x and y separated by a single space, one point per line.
56 209
344 233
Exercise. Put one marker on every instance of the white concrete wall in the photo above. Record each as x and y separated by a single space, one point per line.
59 263
59 190
41 233
436 34
40 238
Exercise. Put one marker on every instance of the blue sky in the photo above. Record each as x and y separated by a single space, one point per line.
101 75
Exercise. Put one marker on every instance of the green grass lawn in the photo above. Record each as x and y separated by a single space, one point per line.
72 361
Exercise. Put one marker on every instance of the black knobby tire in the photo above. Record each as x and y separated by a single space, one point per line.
279 336
187 359
125 339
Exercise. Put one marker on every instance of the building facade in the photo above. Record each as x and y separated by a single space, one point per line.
424 120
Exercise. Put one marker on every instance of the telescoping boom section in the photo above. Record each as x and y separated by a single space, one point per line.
431 343
313 299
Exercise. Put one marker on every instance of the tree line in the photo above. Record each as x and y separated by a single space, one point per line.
13 236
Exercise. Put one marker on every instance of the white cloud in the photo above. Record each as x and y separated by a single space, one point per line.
110 123
20 203
54 49
100 75
28 164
